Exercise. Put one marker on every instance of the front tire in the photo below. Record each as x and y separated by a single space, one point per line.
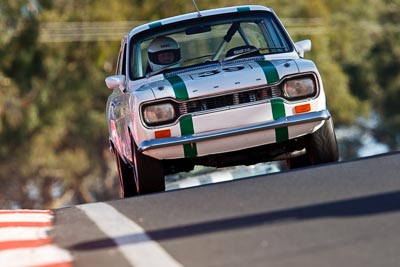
321 147
148 171
298 162
126 178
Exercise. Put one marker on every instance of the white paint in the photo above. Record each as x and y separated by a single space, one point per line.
23 233
26 217
189 183
223 176
130 238
29 256
40 256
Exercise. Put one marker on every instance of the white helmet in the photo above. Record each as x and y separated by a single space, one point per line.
159 46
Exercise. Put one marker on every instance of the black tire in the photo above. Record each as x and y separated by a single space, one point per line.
298 162
321 147
126 178
148 171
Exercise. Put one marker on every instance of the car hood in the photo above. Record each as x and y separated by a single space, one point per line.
224 77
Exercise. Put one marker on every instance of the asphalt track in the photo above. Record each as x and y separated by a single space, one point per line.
343 214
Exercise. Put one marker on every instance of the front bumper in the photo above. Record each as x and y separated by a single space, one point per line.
294 120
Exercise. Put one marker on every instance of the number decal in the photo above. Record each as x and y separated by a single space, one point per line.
215 72
209 73
233 69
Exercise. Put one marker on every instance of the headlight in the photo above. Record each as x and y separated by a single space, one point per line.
159 113
298 88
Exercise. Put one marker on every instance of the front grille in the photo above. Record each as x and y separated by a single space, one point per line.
229 100
210 103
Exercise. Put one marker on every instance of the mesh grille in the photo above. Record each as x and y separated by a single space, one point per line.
229 100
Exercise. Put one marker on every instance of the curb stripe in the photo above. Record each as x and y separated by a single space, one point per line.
24 240
131 239
45 256
270 72
34 243
25 224
186 125
278 111
49 212
179 87
16 217
59 264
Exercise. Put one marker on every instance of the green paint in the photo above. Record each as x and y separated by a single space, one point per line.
179 87
154 25
242 9
270 72
190 150
281 134
186 124
278 108
278 111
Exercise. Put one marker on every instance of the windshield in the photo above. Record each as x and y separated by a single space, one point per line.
215 39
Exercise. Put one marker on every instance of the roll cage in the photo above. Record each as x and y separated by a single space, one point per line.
212 38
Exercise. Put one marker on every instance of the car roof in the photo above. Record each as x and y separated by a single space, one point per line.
193 15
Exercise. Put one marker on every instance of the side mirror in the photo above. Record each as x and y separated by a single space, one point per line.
302 47
116 81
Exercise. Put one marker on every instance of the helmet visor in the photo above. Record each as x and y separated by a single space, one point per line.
165 57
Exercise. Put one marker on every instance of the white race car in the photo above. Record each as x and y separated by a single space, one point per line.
220 87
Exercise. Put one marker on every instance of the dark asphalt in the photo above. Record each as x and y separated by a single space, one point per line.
343 214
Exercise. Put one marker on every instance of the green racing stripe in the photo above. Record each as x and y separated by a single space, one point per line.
270 72
179 87
278 111
186 124
278 106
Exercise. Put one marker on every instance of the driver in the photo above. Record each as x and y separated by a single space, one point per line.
163 51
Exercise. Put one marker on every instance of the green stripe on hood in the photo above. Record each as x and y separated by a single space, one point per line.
270 72
179 87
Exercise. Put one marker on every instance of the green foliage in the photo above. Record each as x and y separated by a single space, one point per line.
53 132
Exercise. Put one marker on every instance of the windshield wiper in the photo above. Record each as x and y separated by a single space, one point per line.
155 72
194 58
183 60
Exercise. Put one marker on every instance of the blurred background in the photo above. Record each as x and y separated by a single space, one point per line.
54 56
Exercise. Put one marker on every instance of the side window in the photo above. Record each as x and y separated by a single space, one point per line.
121 64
